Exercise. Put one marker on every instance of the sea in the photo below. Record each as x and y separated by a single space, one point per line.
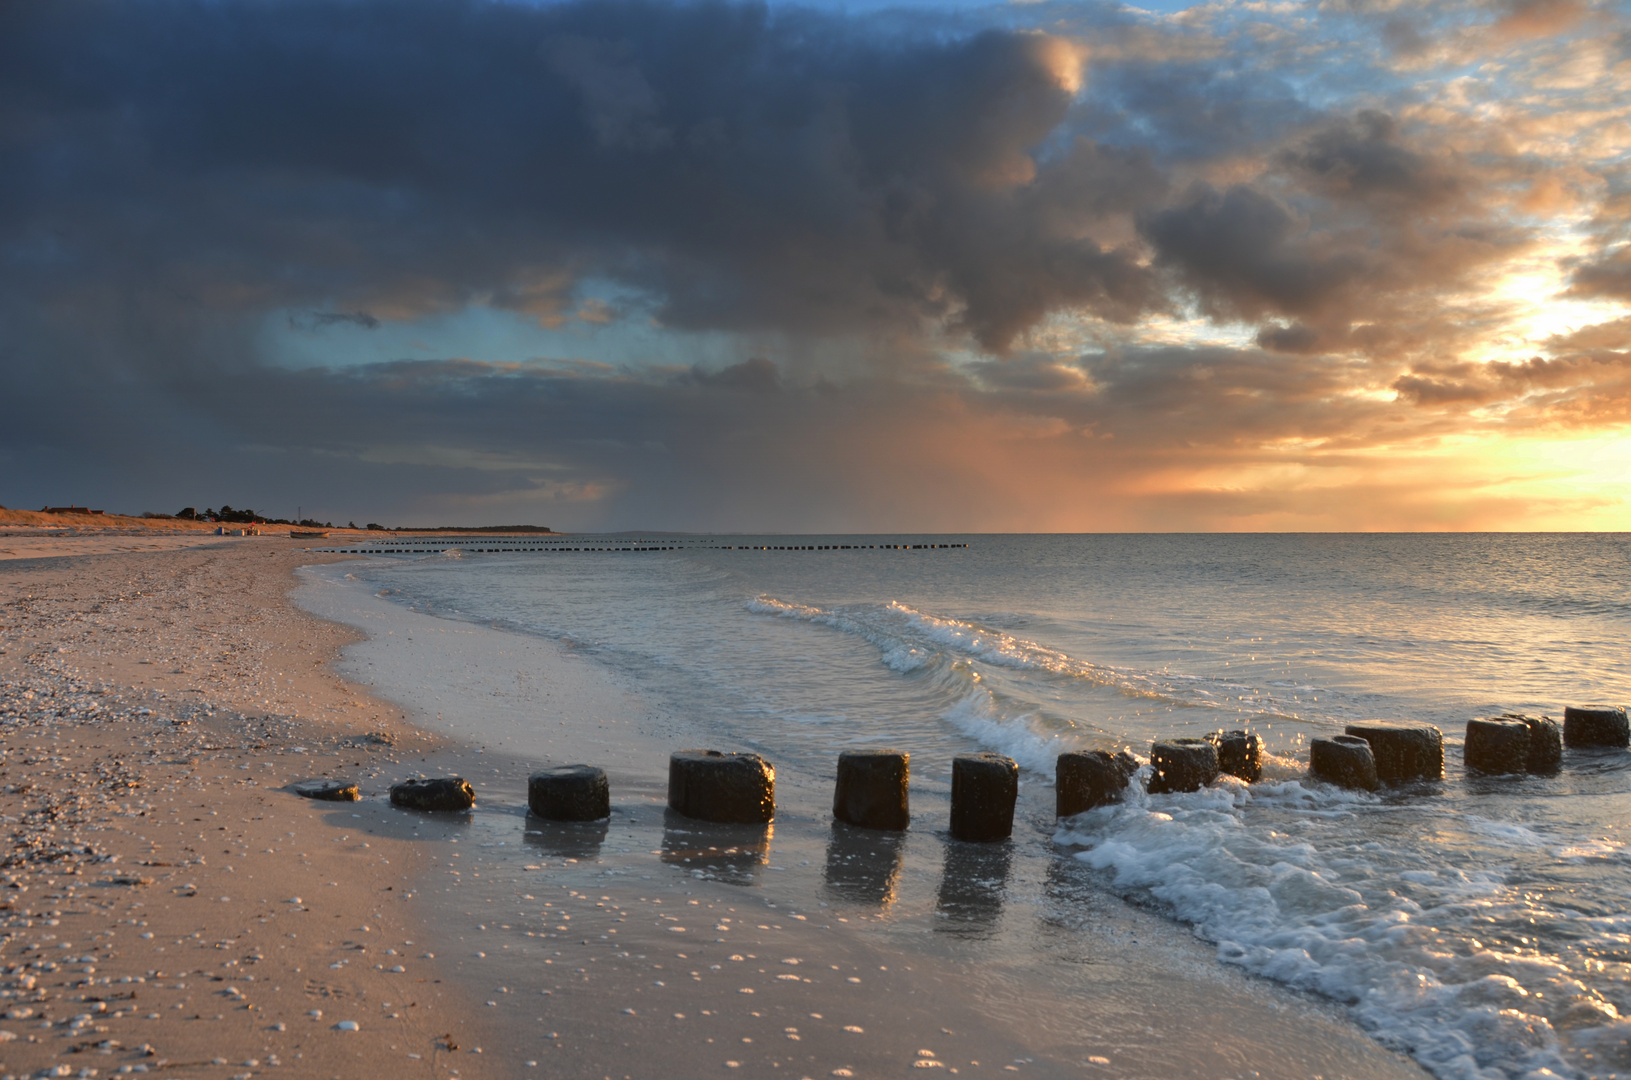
1481 925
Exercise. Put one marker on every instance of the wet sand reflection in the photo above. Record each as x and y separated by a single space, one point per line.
863 865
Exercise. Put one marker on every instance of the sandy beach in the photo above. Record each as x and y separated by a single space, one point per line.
169 908
173 908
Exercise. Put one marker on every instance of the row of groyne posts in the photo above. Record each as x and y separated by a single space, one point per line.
740 788
872 786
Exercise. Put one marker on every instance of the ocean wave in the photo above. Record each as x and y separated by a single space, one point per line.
909 639
1023 737
1290 881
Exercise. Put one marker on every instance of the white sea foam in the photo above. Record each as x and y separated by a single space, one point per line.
909 639
1020 737
1290 882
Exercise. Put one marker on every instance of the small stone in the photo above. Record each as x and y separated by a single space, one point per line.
347 1025
984 788
444 793
1240 753
1084 779
1403 752
1595 725
327 790
872 789
1182 765
713 786
569 793
1343 760
1497 746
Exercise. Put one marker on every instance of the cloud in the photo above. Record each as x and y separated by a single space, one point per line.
1609 276
1364 158
728 265
318 320
1244 254
744 170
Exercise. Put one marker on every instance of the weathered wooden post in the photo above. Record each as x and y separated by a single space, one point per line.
984 788
1182 765
569 793
442 793
1084 779
714 786
1545 744
1595 725
1240 753
1497 746
1403 752
872 789
1343 760
327 790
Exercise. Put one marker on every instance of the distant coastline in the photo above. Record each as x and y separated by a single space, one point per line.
77 520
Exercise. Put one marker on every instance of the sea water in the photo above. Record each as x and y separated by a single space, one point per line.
1481 925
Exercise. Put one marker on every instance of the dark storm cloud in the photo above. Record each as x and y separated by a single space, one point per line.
1364 158
1295 338
1244 253
746 170
1347 239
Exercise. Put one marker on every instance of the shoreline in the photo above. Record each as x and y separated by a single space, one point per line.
722 944
651 946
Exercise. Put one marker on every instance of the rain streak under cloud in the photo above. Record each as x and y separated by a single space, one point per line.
1340 265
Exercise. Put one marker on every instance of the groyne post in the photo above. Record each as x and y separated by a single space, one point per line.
569 793
1403 752
713 786
872 789
984 788
1084 779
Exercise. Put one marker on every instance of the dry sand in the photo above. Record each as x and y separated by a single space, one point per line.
168 908
172 908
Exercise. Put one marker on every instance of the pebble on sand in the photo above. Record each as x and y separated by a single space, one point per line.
327 790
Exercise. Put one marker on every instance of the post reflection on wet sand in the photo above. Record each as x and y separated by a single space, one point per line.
973 881
735 854
567 839
863 865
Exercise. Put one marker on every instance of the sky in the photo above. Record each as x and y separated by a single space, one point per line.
635 264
